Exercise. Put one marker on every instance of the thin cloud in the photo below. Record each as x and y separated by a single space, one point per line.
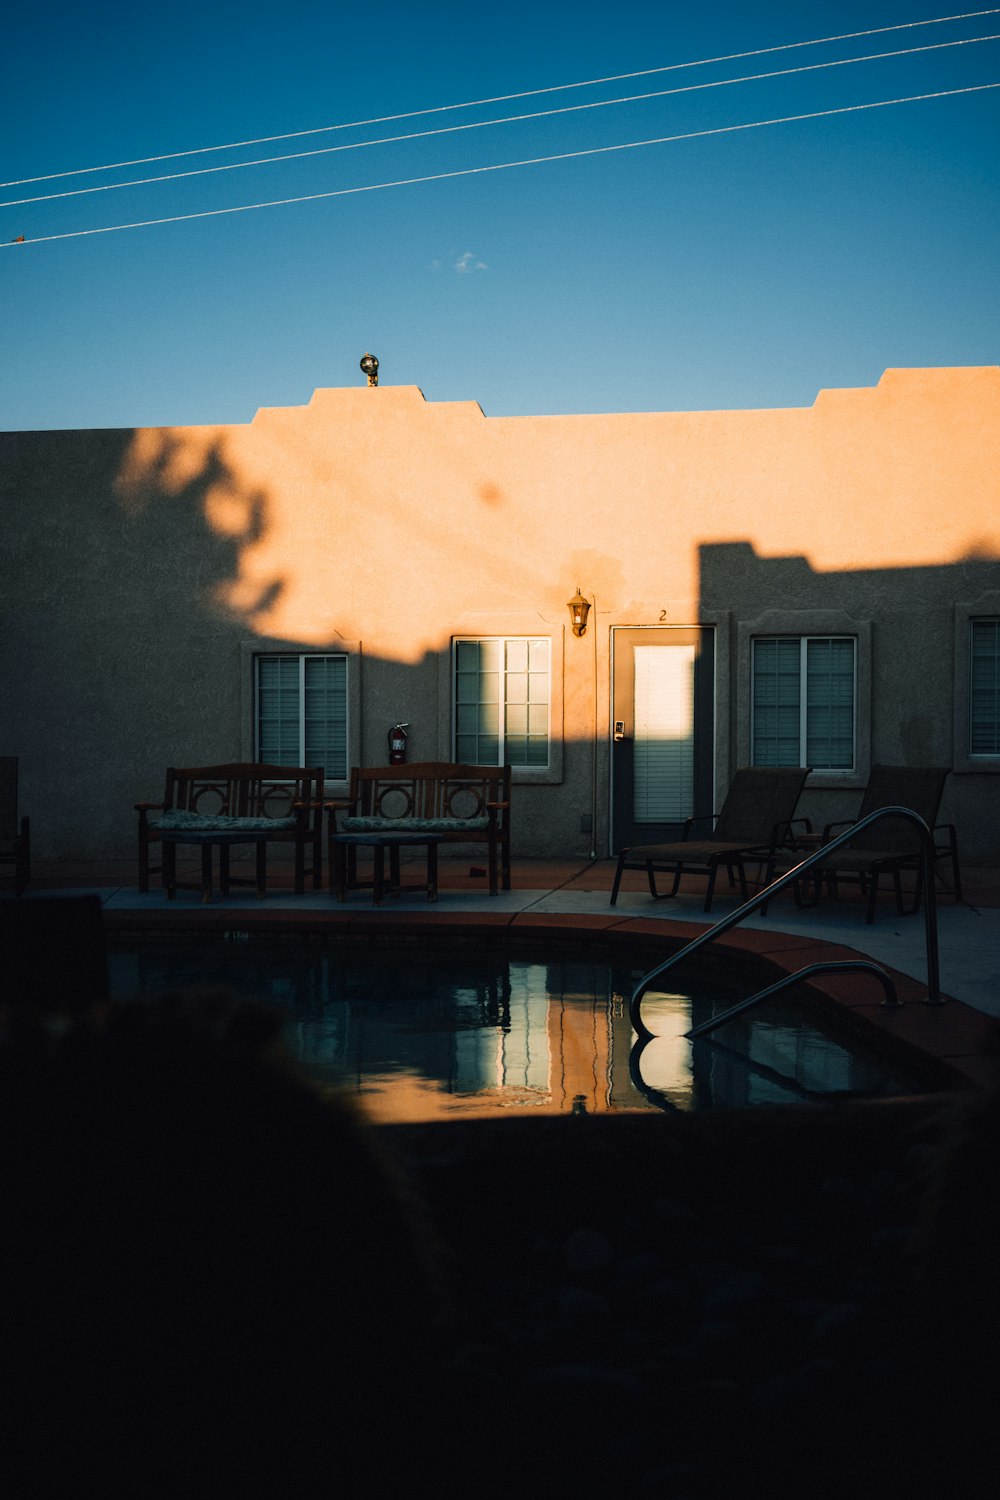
469 262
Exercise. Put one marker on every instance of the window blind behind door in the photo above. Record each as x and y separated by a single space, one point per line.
663 764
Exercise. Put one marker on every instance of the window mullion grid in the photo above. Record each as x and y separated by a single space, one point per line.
854 706
984 687
803 698
302 710
502 702
829 705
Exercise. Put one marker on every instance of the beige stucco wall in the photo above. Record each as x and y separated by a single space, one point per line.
141 569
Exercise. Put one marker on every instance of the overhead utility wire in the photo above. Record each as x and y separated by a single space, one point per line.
555 88
542 114
374 187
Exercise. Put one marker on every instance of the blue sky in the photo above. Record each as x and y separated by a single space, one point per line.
741 269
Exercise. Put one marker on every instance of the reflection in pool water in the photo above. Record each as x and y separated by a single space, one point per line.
424 1035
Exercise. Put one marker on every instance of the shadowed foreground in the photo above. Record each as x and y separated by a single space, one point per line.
218 1281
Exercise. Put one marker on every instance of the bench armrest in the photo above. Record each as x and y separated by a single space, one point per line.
149 806
337 805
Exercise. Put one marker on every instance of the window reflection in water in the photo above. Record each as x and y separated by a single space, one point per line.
463 1033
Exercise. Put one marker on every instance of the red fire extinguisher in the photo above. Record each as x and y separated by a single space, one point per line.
397 744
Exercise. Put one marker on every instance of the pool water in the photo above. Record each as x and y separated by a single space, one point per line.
464 1032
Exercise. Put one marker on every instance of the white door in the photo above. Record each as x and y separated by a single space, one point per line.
663 738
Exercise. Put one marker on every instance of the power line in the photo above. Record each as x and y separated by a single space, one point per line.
504 166
842 62
502 98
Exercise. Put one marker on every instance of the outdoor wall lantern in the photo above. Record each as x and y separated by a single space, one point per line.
579 609
370 366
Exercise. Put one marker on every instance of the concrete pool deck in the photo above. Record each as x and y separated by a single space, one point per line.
567 897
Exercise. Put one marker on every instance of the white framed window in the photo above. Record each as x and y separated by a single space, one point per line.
300 711
502 691
804 702
984 687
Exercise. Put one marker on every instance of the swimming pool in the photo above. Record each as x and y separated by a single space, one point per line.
429 1032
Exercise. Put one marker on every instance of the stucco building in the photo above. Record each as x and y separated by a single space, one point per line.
815 585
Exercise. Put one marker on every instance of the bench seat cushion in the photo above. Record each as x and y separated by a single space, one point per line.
180 821
414 825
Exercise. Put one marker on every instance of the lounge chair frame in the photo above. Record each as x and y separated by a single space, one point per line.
755 821
890 847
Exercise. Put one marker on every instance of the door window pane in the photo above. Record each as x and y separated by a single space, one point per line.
663 765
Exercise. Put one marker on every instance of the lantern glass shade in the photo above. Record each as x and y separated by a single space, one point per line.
579 609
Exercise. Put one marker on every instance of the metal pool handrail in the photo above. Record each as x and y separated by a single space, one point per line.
835 966
725 924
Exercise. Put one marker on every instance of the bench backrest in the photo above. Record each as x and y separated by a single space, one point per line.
428 789
245 789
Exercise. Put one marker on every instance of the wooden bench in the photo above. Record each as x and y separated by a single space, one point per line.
454 803
207 805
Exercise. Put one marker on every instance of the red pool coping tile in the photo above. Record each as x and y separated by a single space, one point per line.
653 929
413 924
589 923
949 1032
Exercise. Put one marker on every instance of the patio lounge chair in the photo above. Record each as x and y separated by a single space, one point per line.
15 842
892 845
755 820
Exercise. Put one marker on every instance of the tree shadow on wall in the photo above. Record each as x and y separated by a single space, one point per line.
111 599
